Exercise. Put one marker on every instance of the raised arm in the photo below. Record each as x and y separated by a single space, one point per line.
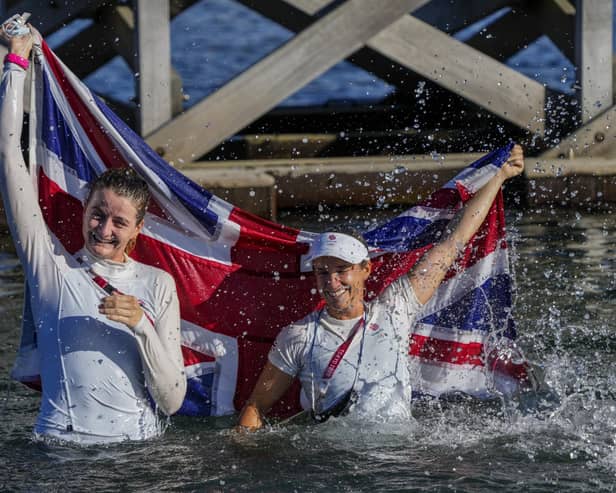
429 271
270 387
16 184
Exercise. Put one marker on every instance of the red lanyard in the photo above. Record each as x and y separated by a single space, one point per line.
101 282
340 352
109 288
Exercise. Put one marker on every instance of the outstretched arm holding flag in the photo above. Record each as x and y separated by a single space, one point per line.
427 274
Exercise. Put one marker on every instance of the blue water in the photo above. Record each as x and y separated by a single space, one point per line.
563 441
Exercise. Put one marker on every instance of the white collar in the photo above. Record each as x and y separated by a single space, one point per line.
104 267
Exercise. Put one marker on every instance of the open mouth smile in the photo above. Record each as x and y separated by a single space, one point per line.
338 293
96 239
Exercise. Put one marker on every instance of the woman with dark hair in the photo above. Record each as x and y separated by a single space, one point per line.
108 360
352 355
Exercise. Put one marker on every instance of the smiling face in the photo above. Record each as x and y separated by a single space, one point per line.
342 285
109 224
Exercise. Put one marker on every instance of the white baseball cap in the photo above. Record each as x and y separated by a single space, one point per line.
340 246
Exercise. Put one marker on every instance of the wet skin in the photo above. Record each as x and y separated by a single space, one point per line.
110 223
342 286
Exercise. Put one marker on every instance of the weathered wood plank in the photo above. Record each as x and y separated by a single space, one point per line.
415 46
541 167
593 48
589 183
597 138
447 15
345 181
449 161
153 47
578 183
277 76
464 71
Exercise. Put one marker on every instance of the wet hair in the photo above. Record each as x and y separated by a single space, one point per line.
124 182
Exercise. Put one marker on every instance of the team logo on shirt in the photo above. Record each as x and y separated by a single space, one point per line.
374 327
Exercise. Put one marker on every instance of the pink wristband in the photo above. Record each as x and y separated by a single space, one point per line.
17 60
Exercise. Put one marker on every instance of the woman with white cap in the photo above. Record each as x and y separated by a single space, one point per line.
352 354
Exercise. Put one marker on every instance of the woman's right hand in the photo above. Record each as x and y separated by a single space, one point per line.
22 45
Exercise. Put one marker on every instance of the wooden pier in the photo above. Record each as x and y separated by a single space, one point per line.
241 145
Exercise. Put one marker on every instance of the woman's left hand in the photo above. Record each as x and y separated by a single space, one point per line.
121 308
514 164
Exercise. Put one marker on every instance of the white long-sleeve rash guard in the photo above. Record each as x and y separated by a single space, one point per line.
97 375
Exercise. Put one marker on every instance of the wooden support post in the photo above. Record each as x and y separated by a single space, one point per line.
277 76
123 22
154 62
109 35
593 49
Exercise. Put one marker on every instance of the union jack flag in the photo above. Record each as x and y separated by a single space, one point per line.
241 278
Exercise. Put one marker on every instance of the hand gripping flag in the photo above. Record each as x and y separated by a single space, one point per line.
239 277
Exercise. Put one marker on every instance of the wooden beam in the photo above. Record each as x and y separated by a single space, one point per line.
597 138
442 14
110 35
122 19
277 76
153 48
464 71
593 48
447 15
415 46
337 181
